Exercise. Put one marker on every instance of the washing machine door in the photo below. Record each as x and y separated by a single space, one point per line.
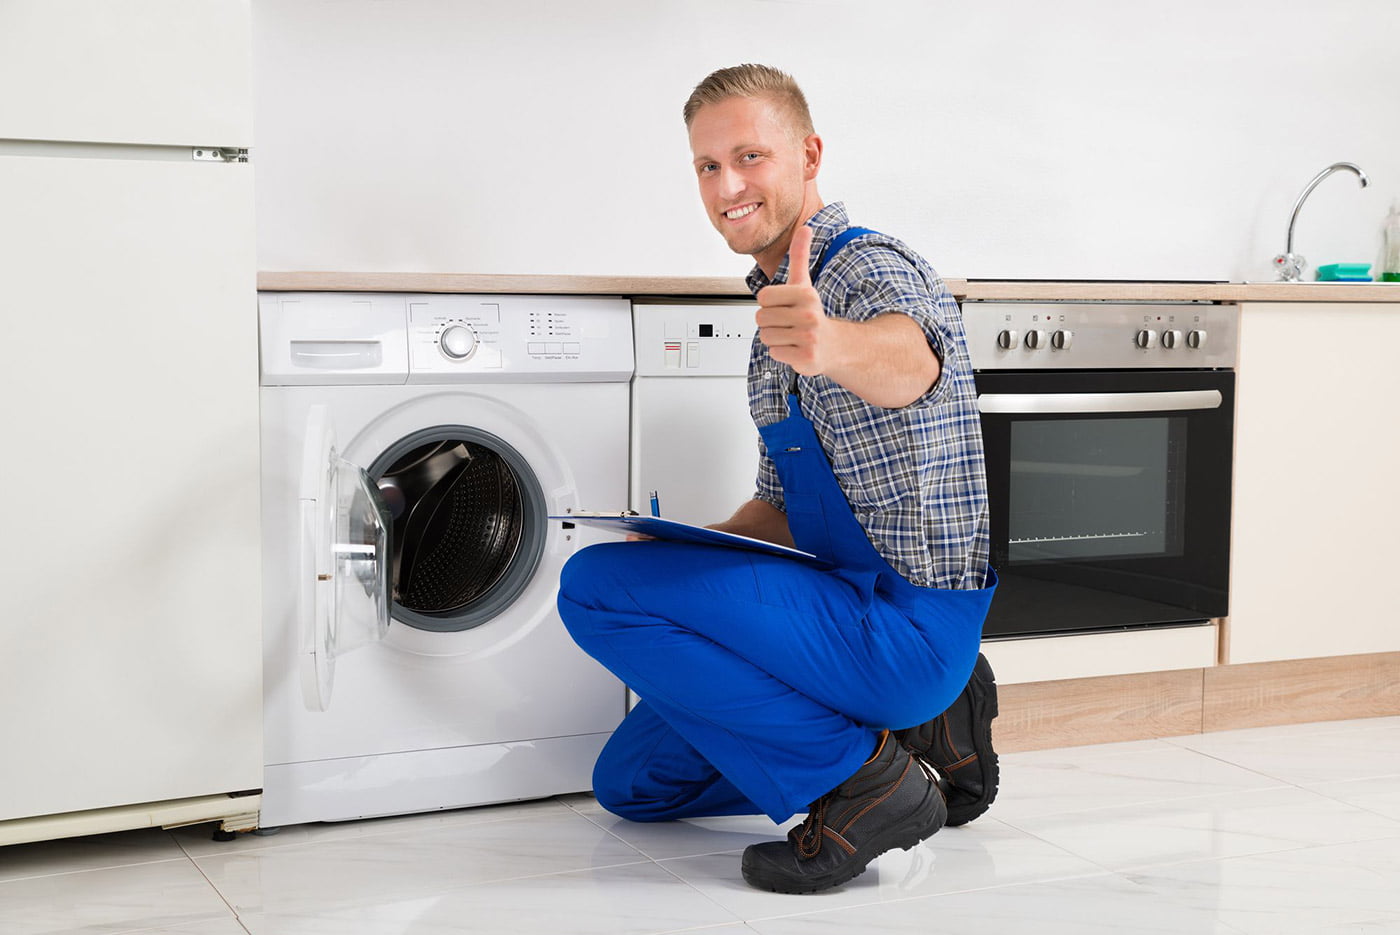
343 597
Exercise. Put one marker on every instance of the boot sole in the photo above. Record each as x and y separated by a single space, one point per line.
985 710
930 817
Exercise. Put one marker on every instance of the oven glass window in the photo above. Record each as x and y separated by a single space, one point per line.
1086 489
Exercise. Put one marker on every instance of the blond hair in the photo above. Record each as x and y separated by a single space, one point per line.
761 81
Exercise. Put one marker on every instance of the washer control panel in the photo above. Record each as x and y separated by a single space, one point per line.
342 338
1100 336
454 338
460 332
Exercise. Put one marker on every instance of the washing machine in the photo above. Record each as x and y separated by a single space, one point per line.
412 447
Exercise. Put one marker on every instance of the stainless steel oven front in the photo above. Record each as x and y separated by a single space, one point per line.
1108 431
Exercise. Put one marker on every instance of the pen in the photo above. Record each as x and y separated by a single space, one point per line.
655 504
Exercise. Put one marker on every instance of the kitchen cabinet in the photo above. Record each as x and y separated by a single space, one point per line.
1315 552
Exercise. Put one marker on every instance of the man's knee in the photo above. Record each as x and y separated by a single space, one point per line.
614 780
589 585
622 798
614 796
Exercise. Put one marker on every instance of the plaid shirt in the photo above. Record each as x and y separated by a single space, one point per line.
914 476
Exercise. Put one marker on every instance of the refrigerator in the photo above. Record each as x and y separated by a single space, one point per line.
130 663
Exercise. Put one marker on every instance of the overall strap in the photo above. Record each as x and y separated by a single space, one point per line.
835 245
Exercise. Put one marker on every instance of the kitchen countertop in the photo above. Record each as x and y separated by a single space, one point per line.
733 287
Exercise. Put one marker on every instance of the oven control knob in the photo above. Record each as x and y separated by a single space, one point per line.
457 342
1061 340
1146 339
1007 339
1035 340
1194 339
1171 339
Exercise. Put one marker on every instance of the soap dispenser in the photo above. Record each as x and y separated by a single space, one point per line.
1390 257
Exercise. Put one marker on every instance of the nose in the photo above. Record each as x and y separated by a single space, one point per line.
731 183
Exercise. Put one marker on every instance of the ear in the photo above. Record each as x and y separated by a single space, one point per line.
811 157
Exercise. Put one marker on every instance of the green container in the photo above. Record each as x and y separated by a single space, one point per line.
1344 272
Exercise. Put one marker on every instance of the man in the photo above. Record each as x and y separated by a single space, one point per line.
772 685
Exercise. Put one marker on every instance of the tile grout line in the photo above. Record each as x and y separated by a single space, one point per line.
661 865
1174 901
667 870
238 920
1250 769
80 870
1138 803
292 843
1294 849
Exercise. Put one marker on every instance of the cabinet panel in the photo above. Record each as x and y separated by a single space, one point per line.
129 561
1315 544
160 71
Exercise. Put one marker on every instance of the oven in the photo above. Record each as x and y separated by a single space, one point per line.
1108 431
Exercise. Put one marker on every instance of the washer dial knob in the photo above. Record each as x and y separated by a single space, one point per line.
457 342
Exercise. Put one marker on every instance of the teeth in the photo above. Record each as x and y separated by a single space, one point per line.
737 213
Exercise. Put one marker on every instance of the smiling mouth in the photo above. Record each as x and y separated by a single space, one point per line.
743 211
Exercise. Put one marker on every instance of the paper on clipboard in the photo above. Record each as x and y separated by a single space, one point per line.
675 531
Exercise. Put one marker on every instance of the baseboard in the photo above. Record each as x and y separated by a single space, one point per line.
1071 712
1262 694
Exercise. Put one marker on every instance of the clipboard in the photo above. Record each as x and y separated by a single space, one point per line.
672 530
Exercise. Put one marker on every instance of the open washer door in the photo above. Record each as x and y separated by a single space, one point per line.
343 593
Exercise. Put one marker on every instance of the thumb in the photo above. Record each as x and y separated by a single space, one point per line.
800 257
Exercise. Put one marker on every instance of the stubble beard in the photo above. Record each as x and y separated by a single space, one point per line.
788 211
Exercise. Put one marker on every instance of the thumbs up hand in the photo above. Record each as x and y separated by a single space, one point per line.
790 319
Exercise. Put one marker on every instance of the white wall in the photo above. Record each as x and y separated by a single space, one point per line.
1018 139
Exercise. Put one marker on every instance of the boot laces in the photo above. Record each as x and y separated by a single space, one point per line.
807 837
922 754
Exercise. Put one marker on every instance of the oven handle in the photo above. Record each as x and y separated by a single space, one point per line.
1055 403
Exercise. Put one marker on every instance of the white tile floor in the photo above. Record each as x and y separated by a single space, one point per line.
1275 830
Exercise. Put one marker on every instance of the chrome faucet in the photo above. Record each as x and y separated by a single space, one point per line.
1289 264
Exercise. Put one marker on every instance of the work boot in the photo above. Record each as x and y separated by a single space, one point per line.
958 745
890 802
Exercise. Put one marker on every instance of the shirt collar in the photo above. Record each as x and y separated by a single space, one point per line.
825 224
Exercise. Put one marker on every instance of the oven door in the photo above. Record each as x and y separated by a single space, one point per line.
1109 498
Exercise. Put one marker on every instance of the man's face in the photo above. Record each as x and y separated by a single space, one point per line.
751 172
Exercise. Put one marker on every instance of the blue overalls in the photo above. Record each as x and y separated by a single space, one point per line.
764 680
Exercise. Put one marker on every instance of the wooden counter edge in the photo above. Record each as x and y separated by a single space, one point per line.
1175 291
733 287
502 284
